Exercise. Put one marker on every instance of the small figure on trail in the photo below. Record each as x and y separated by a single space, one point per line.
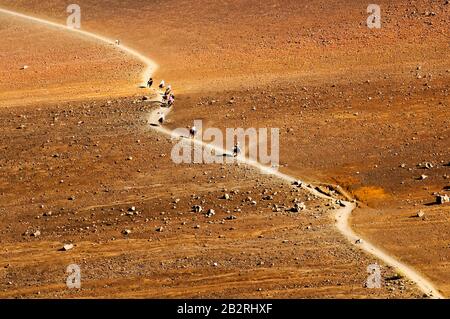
171 100
236 150
193 132
117 42
162 84
150 82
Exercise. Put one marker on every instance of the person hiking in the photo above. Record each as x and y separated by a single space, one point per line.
236 150
170 101
168 90
193 132
162 84
150 82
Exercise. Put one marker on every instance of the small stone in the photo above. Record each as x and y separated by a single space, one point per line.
298 207
67 247
197 208
126 232
36 233
210 213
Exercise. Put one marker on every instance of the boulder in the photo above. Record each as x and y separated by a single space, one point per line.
442 199
197 209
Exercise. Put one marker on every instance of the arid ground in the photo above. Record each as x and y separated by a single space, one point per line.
363 108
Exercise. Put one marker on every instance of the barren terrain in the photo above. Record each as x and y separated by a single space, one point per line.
356 107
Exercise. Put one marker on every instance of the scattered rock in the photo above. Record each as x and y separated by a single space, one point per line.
420 214
210 213
442 199
340 203
67 247
297 183
197 209
298 207
126 232
425 165
36 234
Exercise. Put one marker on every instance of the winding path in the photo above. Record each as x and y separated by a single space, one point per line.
342 215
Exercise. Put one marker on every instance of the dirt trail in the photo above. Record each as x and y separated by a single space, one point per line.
342 215
151 68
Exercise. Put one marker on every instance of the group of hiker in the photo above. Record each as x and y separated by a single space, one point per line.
168 100
236 149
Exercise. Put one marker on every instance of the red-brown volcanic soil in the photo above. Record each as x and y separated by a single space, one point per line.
352 105
61 65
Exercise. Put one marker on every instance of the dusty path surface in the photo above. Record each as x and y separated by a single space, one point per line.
151 66
342 215
76 65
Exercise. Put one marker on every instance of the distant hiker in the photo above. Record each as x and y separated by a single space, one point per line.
162 84
170 101
164 101
193 132
150 82
236 149
117 42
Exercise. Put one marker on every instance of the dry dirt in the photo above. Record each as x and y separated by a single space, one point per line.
352 105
